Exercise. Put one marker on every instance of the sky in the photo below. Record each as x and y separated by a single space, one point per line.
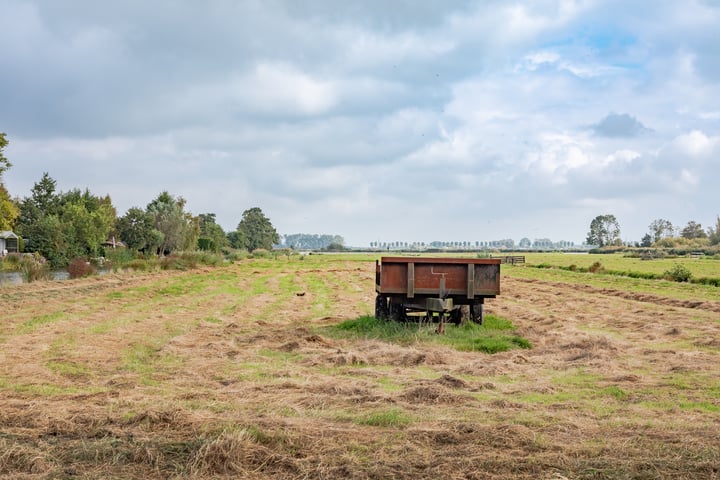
381 121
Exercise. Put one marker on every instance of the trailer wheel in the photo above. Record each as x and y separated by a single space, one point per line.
476 313
456 316
396 312
381 307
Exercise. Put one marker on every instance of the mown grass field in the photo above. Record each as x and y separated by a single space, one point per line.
274 368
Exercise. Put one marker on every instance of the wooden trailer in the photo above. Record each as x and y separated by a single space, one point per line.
437 287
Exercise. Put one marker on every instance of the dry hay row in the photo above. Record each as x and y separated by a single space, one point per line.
80 286
708 305
175 444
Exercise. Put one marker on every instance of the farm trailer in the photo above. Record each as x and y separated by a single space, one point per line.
439 287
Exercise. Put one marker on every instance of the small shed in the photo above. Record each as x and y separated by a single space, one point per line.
9 242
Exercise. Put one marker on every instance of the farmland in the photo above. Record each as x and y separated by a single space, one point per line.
241 371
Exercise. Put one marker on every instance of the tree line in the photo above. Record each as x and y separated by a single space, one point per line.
605 231
61 226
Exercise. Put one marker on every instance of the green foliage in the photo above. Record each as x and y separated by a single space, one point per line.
4 162
34 267
678 273
8 210
693 230
189 260
604 230
335 247
255 231
646 240
659 229
212 237
714 233
305 241
61 226
11 262
179 229
260 253
137 230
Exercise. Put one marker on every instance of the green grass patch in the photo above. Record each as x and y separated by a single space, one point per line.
495 335
46 389
69 369
321 290
34 323
147 360
615 392
278 355
393 417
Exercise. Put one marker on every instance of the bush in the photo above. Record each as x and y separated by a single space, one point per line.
189 260
79 267
117 258
139 264
715 282
34 267
11 261
679 273
260 253
596 268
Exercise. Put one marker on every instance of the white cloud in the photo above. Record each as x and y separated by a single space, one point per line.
696 143
349 113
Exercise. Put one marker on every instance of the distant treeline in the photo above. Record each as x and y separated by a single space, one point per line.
306 241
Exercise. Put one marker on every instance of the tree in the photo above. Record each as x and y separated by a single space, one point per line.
137 230
604 230
61 226
8 210
255 231
234 239
714 233
87 220
660 229
646 240
212 236
693 230
179 229
4 162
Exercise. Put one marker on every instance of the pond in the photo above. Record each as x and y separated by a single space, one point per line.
16 278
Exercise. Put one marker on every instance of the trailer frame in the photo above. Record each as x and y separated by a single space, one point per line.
437 287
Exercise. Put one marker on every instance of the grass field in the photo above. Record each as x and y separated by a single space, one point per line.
274 368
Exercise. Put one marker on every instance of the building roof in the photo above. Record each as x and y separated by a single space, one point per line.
7 234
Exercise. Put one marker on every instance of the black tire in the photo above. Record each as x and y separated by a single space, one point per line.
381 308
396 312
456 316
476 313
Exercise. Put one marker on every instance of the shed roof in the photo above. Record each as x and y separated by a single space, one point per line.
7 234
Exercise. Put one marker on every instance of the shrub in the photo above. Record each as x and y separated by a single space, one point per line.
79 267
116 258
34 267
189 260
596 268
138 264
260 253
679 273
715 282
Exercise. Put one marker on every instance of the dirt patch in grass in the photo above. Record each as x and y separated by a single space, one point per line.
185 375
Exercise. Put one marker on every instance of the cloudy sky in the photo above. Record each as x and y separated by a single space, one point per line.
378 120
